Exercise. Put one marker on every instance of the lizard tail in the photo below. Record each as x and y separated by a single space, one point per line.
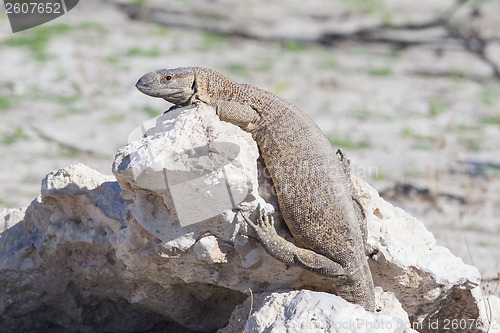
358 288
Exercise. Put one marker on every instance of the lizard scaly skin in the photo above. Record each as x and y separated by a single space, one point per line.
314 191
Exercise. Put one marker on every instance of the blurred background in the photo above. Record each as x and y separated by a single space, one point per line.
409 90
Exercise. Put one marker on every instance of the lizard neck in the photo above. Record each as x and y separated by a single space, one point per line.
209 85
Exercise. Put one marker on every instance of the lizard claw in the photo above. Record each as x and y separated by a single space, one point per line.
265 220
253 225
250 222
264 226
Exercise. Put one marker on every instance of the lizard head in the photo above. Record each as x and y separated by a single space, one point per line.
176 85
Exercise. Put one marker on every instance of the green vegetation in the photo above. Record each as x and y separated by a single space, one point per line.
16 135
379 175
150 111
67 111
238 69
457 77
137 51
437 106
5 103
326 106
62 74
266 64
61 99
93 33
212 42
470 137
413 173
36 94
111 59
37 39
382 71
407 132
89 25
420 142
324 58
371 114
491 120
387 17
281 86
472 143
423 144
358 51
6 203
364 113
328 63
338 141
367 6
294 46
478 2
161 31
486 97
68 152
114 118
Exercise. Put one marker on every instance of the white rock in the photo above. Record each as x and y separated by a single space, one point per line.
388 303
490 314
207 249
270 308
426 278
10 217
195 169
77 263
82 258
308 311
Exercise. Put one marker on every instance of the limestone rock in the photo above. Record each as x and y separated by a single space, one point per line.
76 262
490 314
10 217
186 174
299 311
388 303
430 282
165 248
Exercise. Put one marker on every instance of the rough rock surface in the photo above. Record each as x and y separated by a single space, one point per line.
334 315
299 311
429 281
9 217
77 262
490 310
83 258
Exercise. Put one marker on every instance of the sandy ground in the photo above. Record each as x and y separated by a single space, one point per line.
420 123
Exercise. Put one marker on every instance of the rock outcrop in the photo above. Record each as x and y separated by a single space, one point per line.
163 247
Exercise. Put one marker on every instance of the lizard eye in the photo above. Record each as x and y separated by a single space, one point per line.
166 78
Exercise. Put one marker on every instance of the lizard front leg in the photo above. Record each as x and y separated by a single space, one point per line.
237 113
286 252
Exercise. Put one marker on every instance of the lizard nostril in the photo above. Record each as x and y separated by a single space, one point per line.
143 82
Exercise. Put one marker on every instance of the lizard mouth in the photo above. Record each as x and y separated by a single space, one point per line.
147 84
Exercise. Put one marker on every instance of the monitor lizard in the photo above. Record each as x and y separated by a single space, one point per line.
313 186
